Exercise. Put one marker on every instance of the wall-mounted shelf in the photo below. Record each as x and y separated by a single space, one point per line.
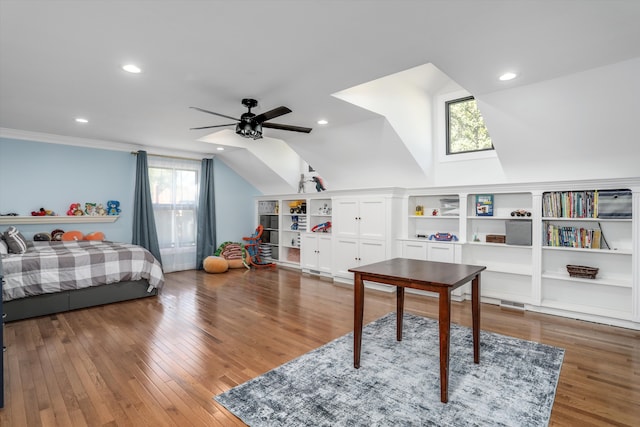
11 220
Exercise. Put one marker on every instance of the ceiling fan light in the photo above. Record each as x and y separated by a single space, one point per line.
249 130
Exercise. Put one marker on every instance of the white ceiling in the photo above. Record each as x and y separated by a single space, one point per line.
61 59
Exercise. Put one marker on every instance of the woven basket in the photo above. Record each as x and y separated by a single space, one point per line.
582 271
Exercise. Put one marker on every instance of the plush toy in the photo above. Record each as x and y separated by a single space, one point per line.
96 235
113 207
100 210
41 237
42 212
75 210
70 236
90 209
56 235
234 253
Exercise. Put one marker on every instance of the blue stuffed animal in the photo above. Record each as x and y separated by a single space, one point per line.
113 207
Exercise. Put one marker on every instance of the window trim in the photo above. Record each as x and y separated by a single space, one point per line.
440 128
447 144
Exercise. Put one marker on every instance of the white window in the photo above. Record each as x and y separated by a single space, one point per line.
174 194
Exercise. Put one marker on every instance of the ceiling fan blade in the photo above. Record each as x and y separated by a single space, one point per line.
215 114
271 114
216 126
286 127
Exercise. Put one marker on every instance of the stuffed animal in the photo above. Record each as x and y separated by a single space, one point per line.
70 236
56 235
41 237
75 210
100 210
42 212
90 209
96 235
113 207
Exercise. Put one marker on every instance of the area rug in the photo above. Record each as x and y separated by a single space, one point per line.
398 383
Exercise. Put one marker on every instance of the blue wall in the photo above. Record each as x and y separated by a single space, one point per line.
52 176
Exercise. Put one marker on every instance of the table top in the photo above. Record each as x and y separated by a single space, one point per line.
421 272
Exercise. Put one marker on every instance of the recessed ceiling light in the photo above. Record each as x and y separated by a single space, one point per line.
131 68
81 120
220 148
322 122
508 76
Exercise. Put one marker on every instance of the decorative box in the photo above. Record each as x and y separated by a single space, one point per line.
496 238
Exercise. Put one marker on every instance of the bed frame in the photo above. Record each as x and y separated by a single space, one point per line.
42 305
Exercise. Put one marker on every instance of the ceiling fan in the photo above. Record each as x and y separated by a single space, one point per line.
249 125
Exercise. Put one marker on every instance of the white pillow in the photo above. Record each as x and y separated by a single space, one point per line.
4 249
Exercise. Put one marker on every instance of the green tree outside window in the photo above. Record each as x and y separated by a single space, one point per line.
466 131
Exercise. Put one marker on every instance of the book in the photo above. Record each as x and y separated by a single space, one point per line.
484 205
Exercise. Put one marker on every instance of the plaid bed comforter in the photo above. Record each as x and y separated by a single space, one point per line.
49 267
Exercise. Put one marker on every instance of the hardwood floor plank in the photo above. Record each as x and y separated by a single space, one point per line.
160 361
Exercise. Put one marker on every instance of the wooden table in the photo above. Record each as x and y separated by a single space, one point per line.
440 277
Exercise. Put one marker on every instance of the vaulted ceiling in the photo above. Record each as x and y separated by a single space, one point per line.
373 69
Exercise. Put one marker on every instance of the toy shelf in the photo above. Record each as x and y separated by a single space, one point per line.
57 219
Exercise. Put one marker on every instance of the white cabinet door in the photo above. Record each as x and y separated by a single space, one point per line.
441 252
309 251
316 252
371 251
349 253
373 218
414 250
324 253
345 256
365 218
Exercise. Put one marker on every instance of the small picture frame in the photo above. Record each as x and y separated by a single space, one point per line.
484 205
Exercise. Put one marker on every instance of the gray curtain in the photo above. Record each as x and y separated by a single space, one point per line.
206 241
144 224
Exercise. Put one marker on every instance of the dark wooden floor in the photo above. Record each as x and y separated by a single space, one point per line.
159 361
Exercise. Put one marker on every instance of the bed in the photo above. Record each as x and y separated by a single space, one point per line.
53 277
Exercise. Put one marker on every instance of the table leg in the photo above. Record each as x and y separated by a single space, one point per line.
399 311
358 311
444 323
475 309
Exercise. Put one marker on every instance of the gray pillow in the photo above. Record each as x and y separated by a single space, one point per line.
15 240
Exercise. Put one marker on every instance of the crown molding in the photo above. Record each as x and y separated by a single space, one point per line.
67 140
49 138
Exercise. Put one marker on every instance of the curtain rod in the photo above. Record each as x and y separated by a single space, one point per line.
135 153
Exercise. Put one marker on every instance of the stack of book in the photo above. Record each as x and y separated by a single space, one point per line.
570 204
572 237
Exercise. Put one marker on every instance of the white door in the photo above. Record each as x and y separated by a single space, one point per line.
309 251
324 253
372 218
371 251
345 218
345 256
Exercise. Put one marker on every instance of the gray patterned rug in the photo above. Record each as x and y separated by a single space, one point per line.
398 383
